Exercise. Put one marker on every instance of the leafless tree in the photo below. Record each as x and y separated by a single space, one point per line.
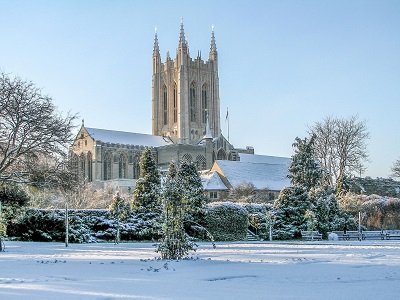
396 168
341 146
34 136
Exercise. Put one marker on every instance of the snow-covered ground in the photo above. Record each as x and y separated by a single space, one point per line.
302 270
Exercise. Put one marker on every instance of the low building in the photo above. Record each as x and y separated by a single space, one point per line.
268 174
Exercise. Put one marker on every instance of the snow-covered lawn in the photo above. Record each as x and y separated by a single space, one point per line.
293 270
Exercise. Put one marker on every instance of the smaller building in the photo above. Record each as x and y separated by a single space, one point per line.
268 174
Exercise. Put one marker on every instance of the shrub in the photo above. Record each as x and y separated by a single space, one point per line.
227 221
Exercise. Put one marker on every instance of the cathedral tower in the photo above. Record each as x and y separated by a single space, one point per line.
185 93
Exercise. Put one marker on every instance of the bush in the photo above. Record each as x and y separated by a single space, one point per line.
84 226
227 221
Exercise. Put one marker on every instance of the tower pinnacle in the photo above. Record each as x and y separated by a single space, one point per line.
156 50
213 47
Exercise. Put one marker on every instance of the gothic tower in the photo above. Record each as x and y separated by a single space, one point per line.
184 93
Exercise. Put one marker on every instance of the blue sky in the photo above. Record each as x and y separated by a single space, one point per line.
283 65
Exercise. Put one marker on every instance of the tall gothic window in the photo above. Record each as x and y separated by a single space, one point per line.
136 168
204 103
165 105
107 166
83 166
122 166
175 104
192 103
89 166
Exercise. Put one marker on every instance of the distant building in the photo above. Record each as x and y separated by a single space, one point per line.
185 127
265 173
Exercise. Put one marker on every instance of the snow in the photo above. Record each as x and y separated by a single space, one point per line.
264 159
211 181
262 175
258 270
127 138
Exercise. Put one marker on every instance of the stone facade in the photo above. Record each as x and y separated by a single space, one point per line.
185 121
184 93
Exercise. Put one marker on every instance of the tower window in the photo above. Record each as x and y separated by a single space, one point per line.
204 103
165 105
192 103
175 104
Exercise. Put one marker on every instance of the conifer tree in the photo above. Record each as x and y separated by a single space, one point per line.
326 209
193 195
290 209
120 211
146 192
305 170
175 242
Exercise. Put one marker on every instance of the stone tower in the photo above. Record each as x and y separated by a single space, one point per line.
184 93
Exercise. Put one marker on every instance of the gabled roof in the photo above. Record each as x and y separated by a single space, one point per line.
212 181
261 175
127 138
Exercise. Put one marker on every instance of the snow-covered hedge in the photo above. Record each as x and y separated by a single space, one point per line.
84 226
227 221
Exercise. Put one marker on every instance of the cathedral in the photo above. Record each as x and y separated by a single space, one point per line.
185 123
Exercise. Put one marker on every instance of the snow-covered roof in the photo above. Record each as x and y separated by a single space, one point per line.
265 159
127 138
212 181
262 175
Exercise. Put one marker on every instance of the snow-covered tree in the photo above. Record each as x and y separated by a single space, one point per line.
146 192
192 195
290 209
326 210
305 170
175 243
396 169
120 211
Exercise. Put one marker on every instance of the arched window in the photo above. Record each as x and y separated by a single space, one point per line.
186 158
107 162
122 166
221 155
82 167
200 162
165 105
89 167
192 100
175 104
204 107
136 168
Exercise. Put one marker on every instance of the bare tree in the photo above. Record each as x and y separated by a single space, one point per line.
341 146
34 136
396 168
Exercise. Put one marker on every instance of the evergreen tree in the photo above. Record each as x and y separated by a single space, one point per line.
192 196
120 211
326 209
290 209
175 243
305 170
146 192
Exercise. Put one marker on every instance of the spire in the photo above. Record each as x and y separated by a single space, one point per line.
156 50
182 39
208 130
213 48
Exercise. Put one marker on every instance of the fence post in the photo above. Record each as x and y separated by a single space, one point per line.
66 224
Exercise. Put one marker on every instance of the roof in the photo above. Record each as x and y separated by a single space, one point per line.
212 181
254 158
127 138
261 175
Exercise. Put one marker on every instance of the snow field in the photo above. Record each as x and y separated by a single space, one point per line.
292 270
